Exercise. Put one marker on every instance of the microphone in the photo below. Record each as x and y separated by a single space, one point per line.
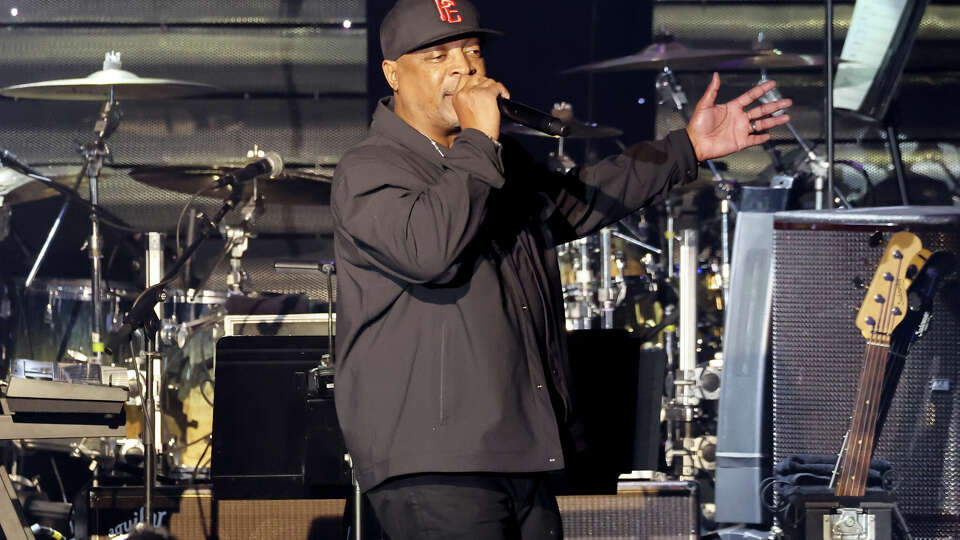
11 160
532 118
270 164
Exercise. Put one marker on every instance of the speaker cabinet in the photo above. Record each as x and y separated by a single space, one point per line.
651 510
271 438
819 260
192 514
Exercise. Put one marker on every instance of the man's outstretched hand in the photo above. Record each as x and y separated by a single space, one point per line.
718 130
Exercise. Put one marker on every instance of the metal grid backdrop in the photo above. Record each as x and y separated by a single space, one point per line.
818 350
932 76
184 11
293 80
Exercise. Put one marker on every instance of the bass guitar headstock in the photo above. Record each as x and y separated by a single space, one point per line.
886 302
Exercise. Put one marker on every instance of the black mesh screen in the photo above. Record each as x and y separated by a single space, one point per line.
188 132
817 352
183 11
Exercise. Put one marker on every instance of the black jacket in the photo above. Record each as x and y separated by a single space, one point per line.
451 348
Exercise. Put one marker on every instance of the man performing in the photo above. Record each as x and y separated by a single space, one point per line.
451 371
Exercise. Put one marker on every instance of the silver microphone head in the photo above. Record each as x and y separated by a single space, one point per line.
276 163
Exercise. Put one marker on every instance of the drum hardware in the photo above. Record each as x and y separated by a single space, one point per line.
683 408
708 378
607 296
703 452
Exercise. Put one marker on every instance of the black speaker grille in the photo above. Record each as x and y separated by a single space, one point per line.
817 353
660 511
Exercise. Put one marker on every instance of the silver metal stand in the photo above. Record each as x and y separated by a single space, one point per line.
828 86
683 408
151 424
607 297
46 245
93 155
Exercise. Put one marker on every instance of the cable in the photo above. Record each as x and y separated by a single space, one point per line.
56 474
863 172
204 394
184 211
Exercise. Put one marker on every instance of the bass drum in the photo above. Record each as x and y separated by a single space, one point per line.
191 327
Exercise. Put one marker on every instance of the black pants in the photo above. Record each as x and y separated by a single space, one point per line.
467 506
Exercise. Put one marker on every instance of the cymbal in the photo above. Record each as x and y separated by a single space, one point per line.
679 57
658 55
292 187
770 59
17 188
97 85
578 130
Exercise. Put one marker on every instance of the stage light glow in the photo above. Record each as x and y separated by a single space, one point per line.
14 12
347 23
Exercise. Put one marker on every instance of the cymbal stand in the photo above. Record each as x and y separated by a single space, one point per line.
683 409
93 154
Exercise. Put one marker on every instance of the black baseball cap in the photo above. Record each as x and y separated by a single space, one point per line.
414 24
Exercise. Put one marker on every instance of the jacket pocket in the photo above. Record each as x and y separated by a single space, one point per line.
443 374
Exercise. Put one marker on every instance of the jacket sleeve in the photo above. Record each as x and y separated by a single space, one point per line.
405 220
593 197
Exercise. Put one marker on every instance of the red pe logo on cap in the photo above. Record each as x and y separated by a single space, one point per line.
447 13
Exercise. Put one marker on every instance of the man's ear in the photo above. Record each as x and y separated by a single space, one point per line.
390 73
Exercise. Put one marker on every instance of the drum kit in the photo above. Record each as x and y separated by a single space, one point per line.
155 338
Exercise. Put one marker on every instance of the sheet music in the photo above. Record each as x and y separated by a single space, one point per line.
872 27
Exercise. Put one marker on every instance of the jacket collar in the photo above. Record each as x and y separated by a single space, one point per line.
387 123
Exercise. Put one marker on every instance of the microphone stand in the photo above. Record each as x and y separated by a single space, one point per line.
143 316
828 86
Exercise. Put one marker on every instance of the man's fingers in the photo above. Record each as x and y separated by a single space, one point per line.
769 108
754 93
710 95
754 140
771 122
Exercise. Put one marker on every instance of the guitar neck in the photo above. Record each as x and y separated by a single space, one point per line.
857 453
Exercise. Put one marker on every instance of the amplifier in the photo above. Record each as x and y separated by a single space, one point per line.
270 439
820 262
651 510
193 514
